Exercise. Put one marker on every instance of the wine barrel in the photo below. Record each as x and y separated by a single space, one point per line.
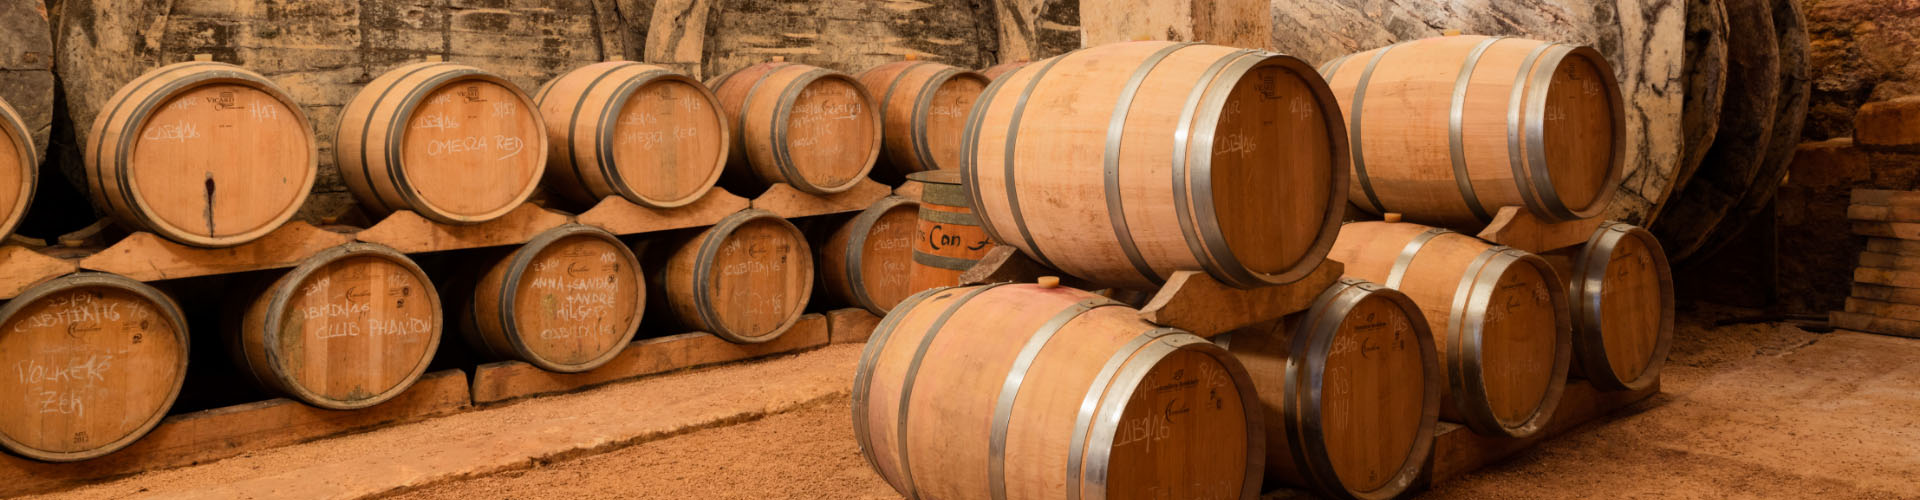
746 279
1499 315
1742 140
350 327
1351 390
1023 391
996 71
1230 160
812 128
638 131
1621 294
1472 123
923 106
98 360
19 168
949 239
450 142
203 153
1704 75
866 261
567 301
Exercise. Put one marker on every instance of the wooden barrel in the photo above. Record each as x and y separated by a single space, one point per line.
746 279
350 327
97 359
1463 125
203 153
1621 293
812 128
949 239
638 131
567 301
1020 391
923 106
1499 316
1123 163
19 168
450 142
996 71
866 261
1351 390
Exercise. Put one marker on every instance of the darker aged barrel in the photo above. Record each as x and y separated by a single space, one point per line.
19 168
949 240
865 261
1621 293
746 279
923 106
567 301
812 128
637 131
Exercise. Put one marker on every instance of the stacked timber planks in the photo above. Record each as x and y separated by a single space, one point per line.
1886 285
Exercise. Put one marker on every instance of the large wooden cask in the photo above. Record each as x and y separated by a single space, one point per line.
450 142
866 260
203 153
949 239
637 131
1024 391
567 301
350 327
812 128
746 279
1621 293
1499 316
19 168
1351 390
924 107
1123 163
1448 130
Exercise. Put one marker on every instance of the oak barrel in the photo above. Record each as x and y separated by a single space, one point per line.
812 128
203 153
641 132
19 168
450 142
866 260
747 279
923 106
1022 391
567 301
1123 163
1447 130
1621 293
350 327
1499 316
1351 390
949 239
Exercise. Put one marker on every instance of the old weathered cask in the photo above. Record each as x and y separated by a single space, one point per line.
638 131
746 279
812 128
949 239
1023 391
866 260
19 168
203 153
1351 389
1123 163
1499 316
1621 293
567 301
350 327
996 71
450 142
97 359
1447 130
924 107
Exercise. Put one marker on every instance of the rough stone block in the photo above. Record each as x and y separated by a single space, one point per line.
1889 125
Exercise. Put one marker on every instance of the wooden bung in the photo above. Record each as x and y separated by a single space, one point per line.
637 131
746 279
98 360
451 142
19 168
1462 125
812 128
1123 163
1019 391
1620 290
1499 316
567 301
203 153
924 107
350 327
866 260
949 239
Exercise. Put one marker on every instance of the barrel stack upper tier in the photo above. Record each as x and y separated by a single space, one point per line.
811 128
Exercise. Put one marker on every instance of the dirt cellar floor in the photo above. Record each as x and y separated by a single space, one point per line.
1760 410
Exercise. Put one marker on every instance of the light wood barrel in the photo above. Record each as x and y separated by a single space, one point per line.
996 71
924 107
567 301
98 359
866 260
19 168
350 327
1351 390
1020 391
746 279
202 153
812 128
1448 130
450 142
1123 163
1499 316
638 131
949 239
1621 292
